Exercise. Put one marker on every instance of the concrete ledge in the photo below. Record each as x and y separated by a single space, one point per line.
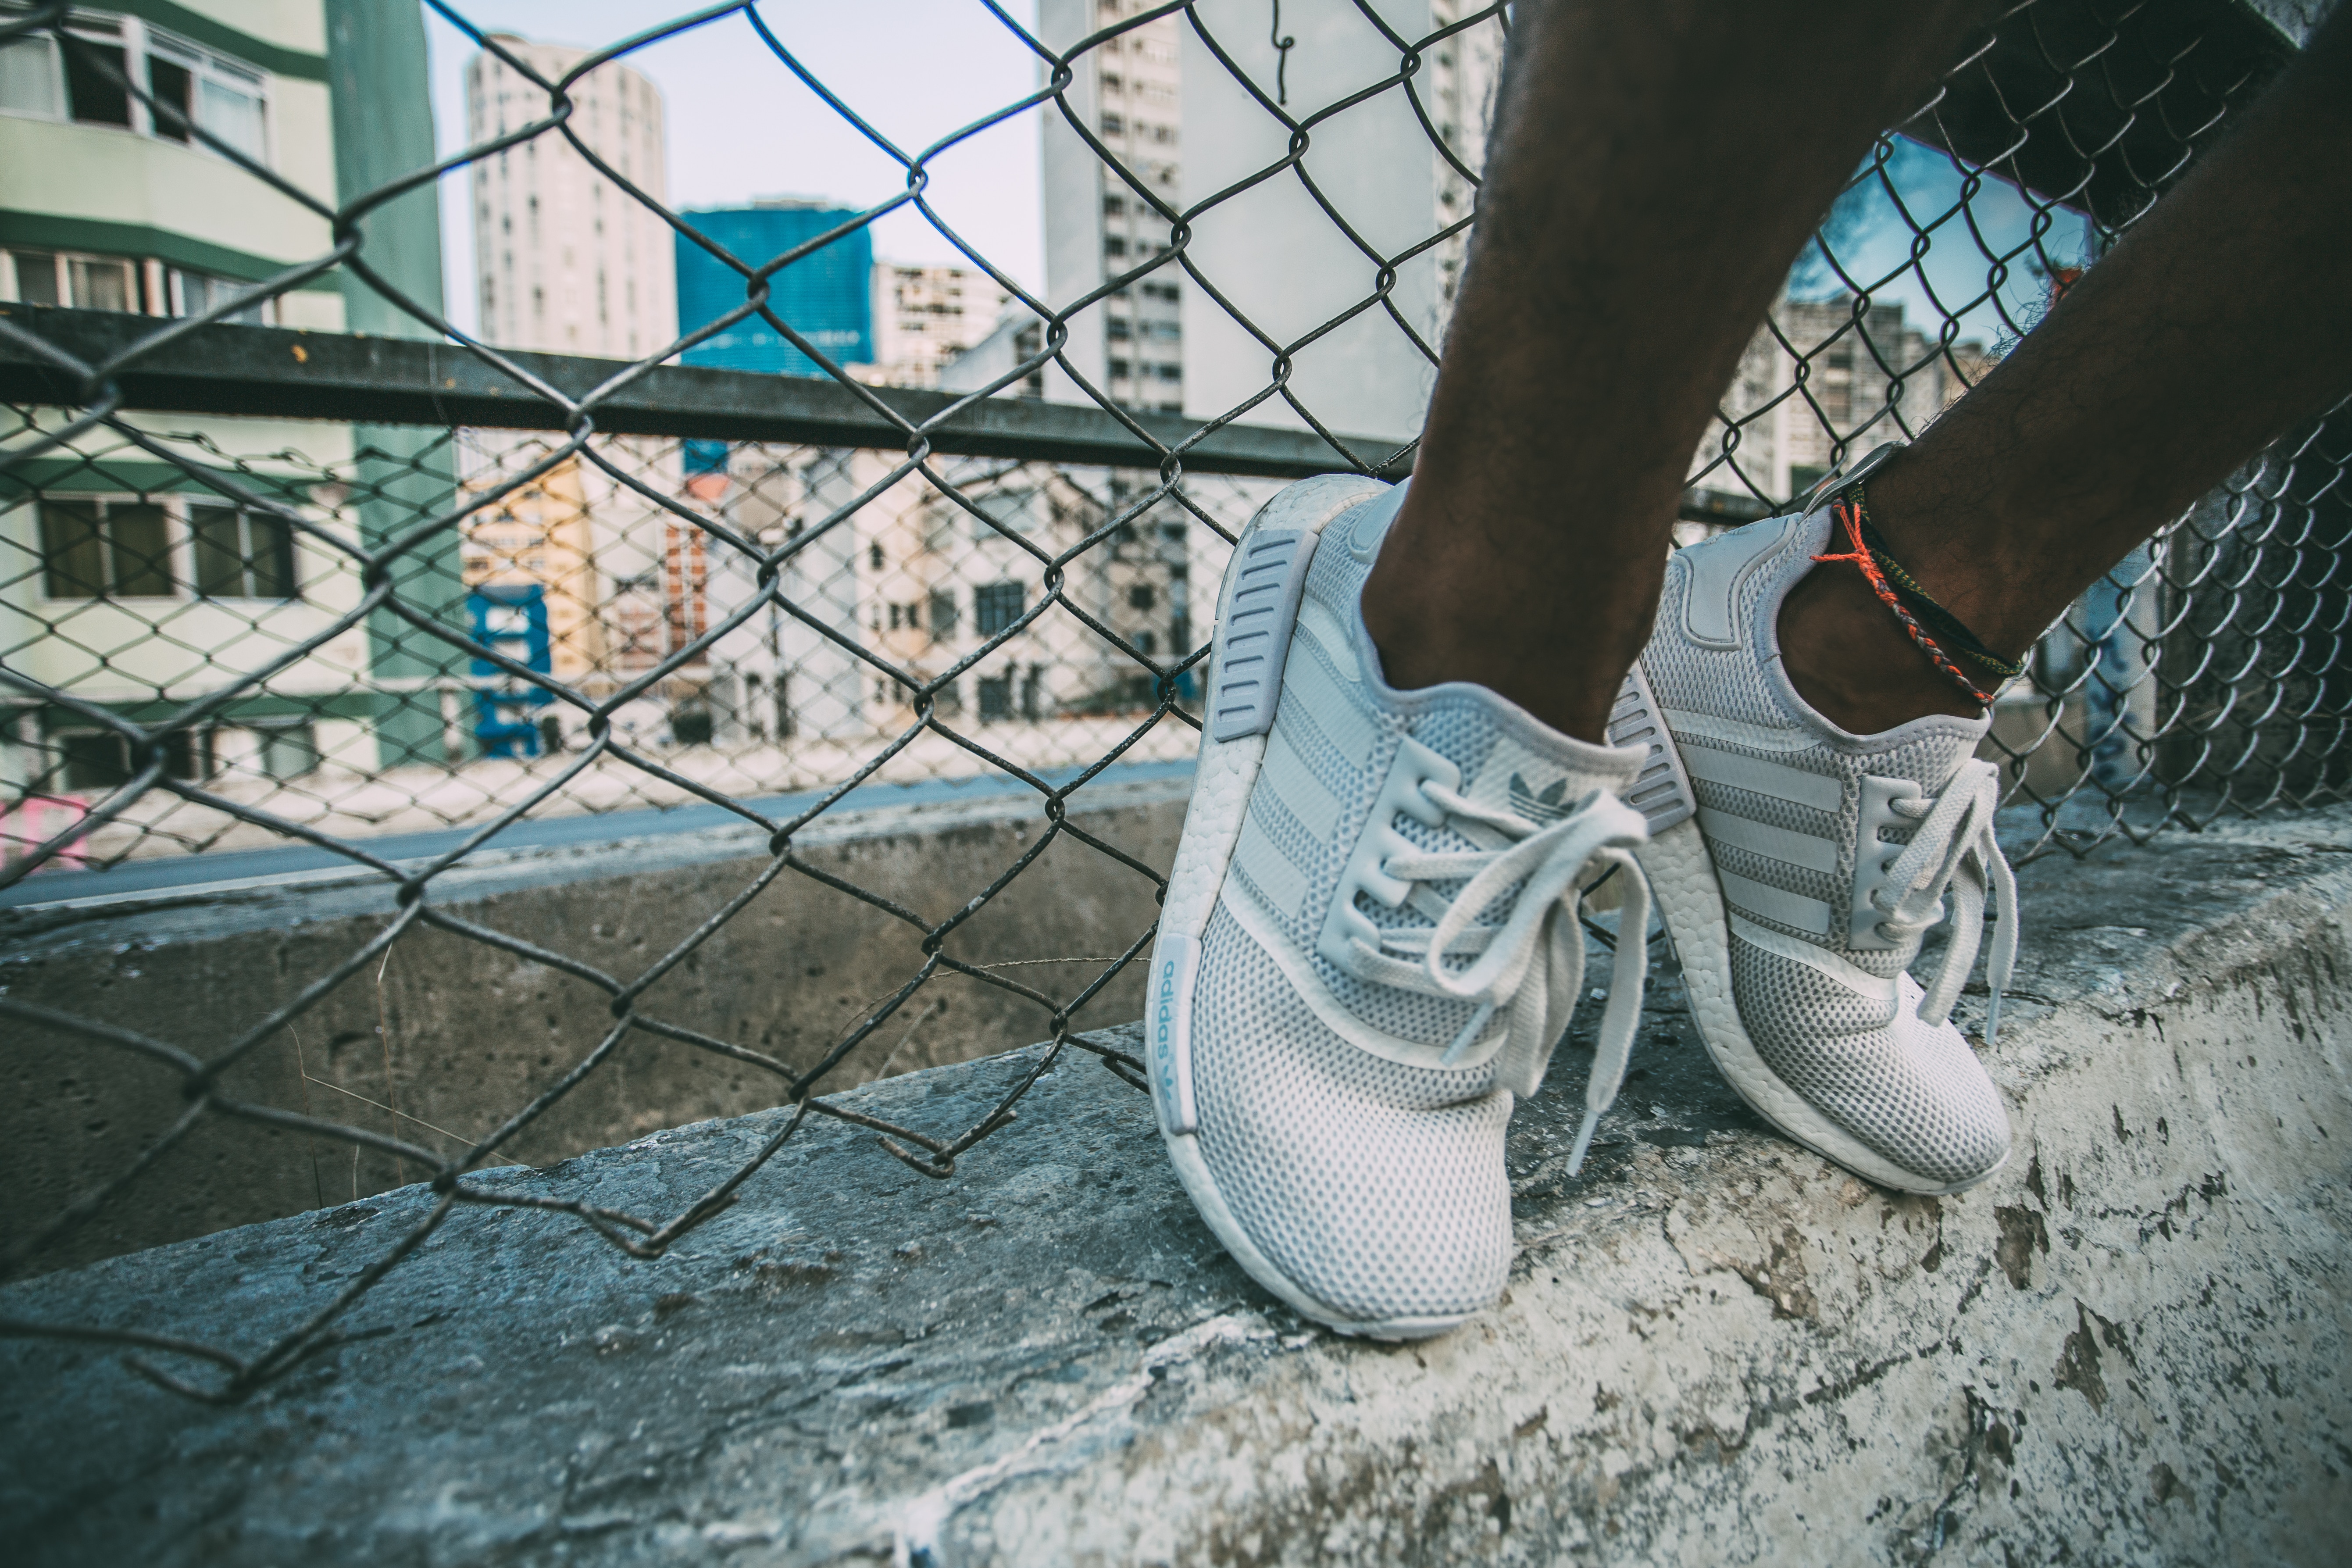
2130 1346
470 1032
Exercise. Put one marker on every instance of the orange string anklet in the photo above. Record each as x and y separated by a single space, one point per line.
1846 512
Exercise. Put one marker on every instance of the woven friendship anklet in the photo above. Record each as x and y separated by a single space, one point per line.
1901 592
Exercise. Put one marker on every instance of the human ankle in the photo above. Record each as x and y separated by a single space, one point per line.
1443 619
1418 651
1850 660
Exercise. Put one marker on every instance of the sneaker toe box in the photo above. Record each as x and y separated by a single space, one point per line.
1374 1189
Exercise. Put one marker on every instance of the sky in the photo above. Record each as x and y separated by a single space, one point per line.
741 125
1868 233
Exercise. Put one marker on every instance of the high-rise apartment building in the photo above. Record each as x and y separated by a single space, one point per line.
115 204
600 581
565 261
925 317
1100 224
1287 268
1857 373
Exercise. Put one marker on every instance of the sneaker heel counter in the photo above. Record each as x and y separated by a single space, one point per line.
1269 579
1660 790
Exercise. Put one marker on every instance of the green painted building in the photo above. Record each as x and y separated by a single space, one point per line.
134 583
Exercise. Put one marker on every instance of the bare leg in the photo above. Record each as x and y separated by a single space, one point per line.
1655 169
2220 320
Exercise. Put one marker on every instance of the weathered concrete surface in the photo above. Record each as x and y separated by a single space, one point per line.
471 1032
2128 1347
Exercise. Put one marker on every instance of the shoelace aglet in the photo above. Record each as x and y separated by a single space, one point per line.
1992 1017
1583 1139
1469 1034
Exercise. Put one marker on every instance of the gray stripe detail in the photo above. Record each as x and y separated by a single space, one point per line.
1769 903
1762 838
1758 776
1661 791
1295 785
1345 724
1282 884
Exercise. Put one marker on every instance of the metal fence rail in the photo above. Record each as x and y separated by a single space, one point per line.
502 586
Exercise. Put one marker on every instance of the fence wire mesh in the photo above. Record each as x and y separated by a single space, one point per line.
395 642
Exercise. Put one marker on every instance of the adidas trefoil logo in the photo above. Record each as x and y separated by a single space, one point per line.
1546 808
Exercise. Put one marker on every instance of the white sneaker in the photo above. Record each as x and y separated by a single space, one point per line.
1797 867
1370 941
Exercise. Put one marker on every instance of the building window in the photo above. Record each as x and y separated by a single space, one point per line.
996 696
1117 327
66 277
874 556
943 613
1113 126
994 607
122 547
101 759
241 554
285 749
193 293
105 548
1141 597
1146 644
1169 372
220 95
1114 205
1118 368
1114 246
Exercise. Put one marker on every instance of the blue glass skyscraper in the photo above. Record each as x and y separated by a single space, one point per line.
827 296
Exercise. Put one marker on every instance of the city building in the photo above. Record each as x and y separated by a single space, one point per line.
594 581
565 261
579 576
1286 268
1865 375
826 297
927 316
1101 226
112 203
1012 341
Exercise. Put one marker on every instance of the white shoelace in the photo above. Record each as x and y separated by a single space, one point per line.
1551 861
1954 848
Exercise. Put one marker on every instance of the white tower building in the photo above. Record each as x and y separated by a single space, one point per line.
1273 252
926 316
1097 226
567 262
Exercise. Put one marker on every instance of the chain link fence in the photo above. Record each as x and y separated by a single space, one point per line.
392 599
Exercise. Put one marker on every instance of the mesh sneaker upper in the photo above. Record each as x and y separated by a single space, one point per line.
1378 1187
1786 853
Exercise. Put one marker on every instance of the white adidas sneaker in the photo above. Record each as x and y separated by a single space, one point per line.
1371 942
1797 868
